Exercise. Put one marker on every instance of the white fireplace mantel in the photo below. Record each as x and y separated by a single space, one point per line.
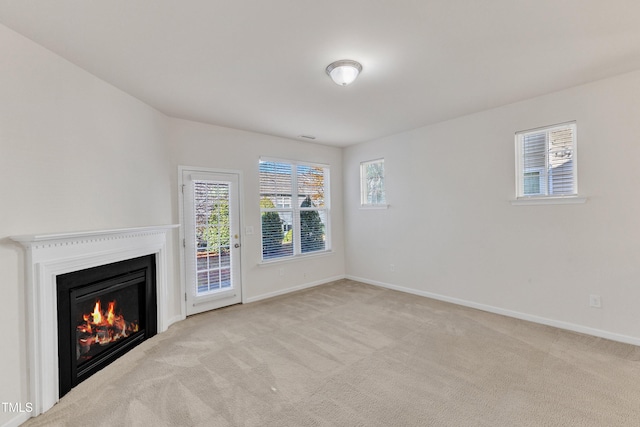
49 255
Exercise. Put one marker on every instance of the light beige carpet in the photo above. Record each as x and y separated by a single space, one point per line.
350 354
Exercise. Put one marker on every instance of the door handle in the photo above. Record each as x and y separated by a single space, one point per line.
237 245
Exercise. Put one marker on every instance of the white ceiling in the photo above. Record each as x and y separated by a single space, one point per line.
259 65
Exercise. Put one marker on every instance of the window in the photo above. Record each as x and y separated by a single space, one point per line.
546 162
372 183
294 206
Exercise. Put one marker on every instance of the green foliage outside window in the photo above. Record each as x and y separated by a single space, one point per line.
217 233
311 228
271 230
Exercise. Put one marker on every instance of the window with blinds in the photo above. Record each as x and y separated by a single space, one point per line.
546 162
294 208
212 232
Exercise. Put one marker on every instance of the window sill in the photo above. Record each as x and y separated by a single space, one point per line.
295 258
367 207
561 200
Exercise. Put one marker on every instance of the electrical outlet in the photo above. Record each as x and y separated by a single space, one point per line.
595 301
282 271
392 267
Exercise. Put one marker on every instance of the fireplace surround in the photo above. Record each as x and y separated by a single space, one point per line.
103 312
48 256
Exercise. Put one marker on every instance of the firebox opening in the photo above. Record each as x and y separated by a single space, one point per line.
103 312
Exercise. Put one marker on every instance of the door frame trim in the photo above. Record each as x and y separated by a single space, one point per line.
183 268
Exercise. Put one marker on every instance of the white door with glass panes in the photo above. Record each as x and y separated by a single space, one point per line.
211 220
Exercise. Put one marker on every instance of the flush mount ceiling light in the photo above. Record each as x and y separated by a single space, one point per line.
344 72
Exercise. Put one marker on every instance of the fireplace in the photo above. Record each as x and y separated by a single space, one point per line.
49 256
103 312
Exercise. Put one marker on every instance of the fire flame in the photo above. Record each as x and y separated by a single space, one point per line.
97 315
110 315
103 327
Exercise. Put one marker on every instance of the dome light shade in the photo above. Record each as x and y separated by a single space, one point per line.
344 72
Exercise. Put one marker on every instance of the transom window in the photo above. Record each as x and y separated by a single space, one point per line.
546 162
294 206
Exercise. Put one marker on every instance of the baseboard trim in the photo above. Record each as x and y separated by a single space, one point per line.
175 319
18 419
509 313
293 289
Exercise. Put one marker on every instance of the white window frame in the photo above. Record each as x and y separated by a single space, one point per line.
545 197
295 211
364 185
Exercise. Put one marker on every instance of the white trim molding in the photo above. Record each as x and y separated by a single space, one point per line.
509 313
49 255
293 289
373 207
548 200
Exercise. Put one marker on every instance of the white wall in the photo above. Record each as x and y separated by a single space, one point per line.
78 154
201 145
75 154
452 233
